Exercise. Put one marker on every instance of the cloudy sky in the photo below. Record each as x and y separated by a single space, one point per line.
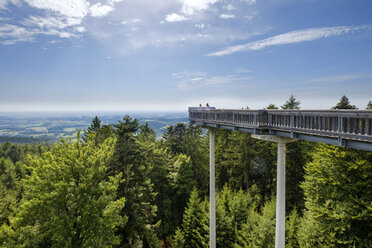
171 54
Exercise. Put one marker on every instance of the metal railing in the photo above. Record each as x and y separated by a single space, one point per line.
343 124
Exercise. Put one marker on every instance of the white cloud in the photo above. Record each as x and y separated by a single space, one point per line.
196 80
200 25
11 34
135 20
175 18
4 3
336 78
69 8
230 7
99 10
289 38
51 22
189 7
227 16
80 29
249 2
113 2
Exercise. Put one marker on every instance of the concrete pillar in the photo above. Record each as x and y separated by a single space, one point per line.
280 186
280 197
212 192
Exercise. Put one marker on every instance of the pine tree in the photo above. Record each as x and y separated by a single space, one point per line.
291 103
344 103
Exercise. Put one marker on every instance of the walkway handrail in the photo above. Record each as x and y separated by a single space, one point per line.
343 124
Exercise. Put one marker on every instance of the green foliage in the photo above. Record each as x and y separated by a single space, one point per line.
291 227
344 103
9 190
259 229
338 190
272 106
68 201
309 233
97 132
129 160
291 103
195 229
298 155
189 140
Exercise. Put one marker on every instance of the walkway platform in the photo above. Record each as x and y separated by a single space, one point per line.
350 128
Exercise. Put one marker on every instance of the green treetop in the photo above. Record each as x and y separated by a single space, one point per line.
68 200
272 106
344 103
291 103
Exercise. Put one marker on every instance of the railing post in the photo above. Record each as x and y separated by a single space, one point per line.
339 131
270 119
291 125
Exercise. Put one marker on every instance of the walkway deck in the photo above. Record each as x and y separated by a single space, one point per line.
351 128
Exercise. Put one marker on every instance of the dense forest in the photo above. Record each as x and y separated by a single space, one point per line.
118 185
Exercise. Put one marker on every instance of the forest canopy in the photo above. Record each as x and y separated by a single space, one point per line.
117 185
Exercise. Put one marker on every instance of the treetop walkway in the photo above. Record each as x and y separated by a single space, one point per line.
350 128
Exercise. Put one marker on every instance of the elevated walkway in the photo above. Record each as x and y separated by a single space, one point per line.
350 128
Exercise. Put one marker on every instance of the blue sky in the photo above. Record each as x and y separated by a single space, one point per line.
171 54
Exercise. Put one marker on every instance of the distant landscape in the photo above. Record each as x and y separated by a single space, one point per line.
41 127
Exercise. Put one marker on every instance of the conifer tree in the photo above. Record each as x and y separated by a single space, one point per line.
369 105
101 132
129 160
344 103
195 229
291 103
272 106
338 195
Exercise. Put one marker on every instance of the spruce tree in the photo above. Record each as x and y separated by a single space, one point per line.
272 106
194 232
344 103
291 103
129 160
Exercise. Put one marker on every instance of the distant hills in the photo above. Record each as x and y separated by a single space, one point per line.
49 127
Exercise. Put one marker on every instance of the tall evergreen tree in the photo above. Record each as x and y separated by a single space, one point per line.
97 131
344 103
291 103
129 160
195 229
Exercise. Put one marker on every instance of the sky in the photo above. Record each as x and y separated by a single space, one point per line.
156 55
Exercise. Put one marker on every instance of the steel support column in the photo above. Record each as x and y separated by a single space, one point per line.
280 197
212 192
280 186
